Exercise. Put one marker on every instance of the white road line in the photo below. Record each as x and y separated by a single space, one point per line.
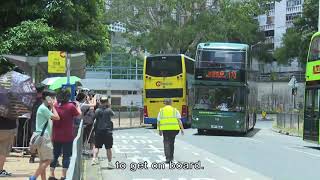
227 169
196 154
210 161
247 179
185 148
254 140
311 154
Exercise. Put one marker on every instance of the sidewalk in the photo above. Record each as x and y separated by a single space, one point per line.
21 169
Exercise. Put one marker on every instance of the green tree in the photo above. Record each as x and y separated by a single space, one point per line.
297 39
70 25
177 26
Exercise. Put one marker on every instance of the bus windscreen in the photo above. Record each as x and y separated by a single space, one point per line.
221 59
163 66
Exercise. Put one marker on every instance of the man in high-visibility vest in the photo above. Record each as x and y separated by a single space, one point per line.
169 124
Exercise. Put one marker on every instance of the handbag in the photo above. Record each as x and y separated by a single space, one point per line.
36 139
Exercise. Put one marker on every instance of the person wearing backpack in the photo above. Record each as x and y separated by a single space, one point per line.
103 128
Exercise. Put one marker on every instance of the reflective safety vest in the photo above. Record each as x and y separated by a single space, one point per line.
168 119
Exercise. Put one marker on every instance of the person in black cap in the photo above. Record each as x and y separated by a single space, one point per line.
32 125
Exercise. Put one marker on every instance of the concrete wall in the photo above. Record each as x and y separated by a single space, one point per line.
277 96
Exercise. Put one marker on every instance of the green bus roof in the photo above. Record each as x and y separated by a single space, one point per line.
218 45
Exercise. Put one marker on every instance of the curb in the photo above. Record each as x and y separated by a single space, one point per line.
280 131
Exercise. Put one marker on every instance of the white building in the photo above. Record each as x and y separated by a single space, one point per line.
280 16
123 92
274 25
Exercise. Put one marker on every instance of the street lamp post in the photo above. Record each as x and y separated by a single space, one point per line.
251 50
319 16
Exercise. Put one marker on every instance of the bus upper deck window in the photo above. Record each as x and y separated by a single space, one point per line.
315 50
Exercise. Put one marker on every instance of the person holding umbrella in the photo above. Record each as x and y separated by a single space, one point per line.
44 123
16 95
7 132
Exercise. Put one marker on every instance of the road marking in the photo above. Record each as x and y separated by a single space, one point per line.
195 153
210 161
254 140
247 179
185 148
227 169
311 154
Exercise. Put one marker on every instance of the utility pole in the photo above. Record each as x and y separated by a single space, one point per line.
136 69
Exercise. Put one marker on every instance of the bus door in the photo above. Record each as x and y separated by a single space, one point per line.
311 115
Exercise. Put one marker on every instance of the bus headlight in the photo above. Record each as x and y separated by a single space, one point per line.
196 119
238 121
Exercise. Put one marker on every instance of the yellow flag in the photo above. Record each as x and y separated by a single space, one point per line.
56 62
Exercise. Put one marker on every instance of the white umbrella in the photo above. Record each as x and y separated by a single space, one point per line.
50 81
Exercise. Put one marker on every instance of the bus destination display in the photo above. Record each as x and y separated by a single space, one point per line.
220 75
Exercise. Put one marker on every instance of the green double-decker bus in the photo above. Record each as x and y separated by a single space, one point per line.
225 97
312 92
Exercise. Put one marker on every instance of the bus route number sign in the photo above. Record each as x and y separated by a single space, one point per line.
222 75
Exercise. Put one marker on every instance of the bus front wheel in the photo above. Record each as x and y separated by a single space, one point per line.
200 131
254 120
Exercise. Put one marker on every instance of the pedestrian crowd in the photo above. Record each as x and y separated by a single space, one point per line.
54 121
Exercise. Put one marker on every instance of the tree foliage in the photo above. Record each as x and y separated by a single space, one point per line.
35 26
297 39
177 26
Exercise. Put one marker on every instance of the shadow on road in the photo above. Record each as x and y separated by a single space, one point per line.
313 147
105 168
230 134
252 132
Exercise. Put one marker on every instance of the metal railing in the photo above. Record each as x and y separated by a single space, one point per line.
116 72
291 122
127 119
75 170
280 76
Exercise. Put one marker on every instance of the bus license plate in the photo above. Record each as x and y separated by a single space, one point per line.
216 127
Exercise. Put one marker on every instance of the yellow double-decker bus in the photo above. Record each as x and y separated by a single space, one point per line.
167 76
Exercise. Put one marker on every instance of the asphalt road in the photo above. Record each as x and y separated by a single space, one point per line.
262 154
274 155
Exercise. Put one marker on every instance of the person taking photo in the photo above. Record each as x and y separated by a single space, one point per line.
45 114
